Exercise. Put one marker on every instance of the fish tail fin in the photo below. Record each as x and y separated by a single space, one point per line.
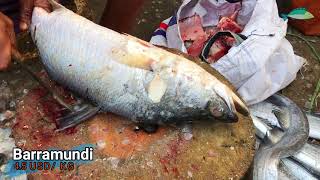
55 5
74 118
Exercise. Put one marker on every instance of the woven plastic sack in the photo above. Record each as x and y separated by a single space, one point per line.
259 67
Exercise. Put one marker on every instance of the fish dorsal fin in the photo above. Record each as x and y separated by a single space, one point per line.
55 5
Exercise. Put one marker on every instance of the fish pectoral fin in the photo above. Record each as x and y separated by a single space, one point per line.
84 113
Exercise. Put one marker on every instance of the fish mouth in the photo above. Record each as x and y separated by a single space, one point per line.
231 118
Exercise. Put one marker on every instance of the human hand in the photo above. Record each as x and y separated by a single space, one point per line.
7 41
27 9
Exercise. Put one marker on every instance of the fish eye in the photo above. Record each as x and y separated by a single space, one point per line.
216 112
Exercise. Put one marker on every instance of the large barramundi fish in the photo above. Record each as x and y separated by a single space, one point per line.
127 76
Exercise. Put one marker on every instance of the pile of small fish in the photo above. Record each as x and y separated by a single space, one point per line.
284 146
195 36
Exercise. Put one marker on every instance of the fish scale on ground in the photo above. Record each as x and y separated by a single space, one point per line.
102 64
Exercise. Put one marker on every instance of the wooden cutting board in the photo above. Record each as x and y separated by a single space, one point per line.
216 150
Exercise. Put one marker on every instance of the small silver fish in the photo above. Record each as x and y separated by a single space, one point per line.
127 76
296 170
280 144
309 157
314 122
265 110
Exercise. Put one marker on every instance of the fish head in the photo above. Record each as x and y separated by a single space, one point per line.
225 104
217 96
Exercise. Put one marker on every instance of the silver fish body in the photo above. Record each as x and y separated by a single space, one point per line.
280 145
261 128
295 170
314 121
125 75
309 157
